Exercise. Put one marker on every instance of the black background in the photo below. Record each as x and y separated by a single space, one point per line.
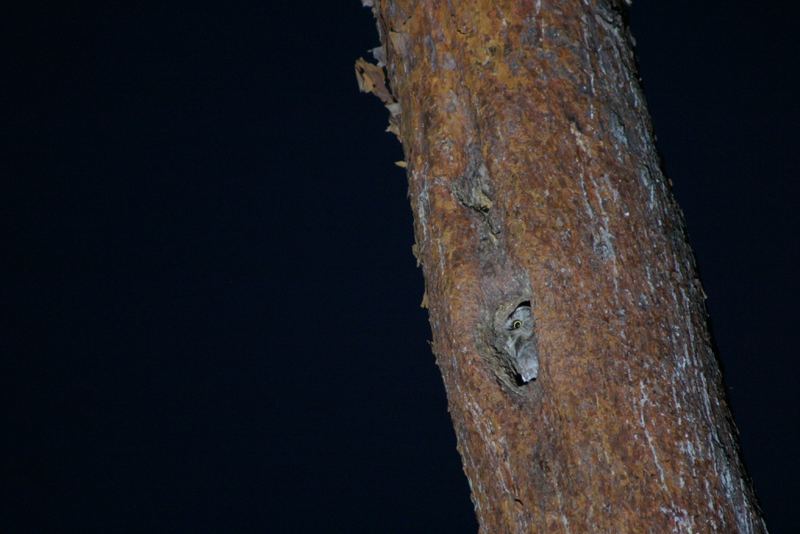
210 306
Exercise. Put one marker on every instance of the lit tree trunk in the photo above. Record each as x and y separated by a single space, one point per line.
534 181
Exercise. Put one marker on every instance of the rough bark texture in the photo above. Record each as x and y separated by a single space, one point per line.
533 178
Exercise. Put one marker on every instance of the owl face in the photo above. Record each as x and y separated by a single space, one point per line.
520 343
520 323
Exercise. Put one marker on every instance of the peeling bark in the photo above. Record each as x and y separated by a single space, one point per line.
534 179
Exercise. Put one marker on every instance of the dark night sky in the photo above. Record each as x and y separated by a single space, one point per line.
211 310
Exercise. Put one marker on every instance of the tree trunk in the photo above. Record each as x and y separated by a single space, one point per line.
536 188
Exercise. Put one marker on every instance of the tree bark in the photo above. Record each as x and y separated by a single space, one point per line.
534 180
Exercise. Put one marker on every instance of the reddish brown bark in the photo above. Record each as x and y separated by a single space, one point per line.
533 177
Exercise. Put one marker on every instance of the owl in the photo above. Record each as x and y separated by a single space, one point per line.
519 343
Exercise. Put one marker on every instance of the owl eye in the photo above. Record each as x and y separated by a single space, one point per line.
516 324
